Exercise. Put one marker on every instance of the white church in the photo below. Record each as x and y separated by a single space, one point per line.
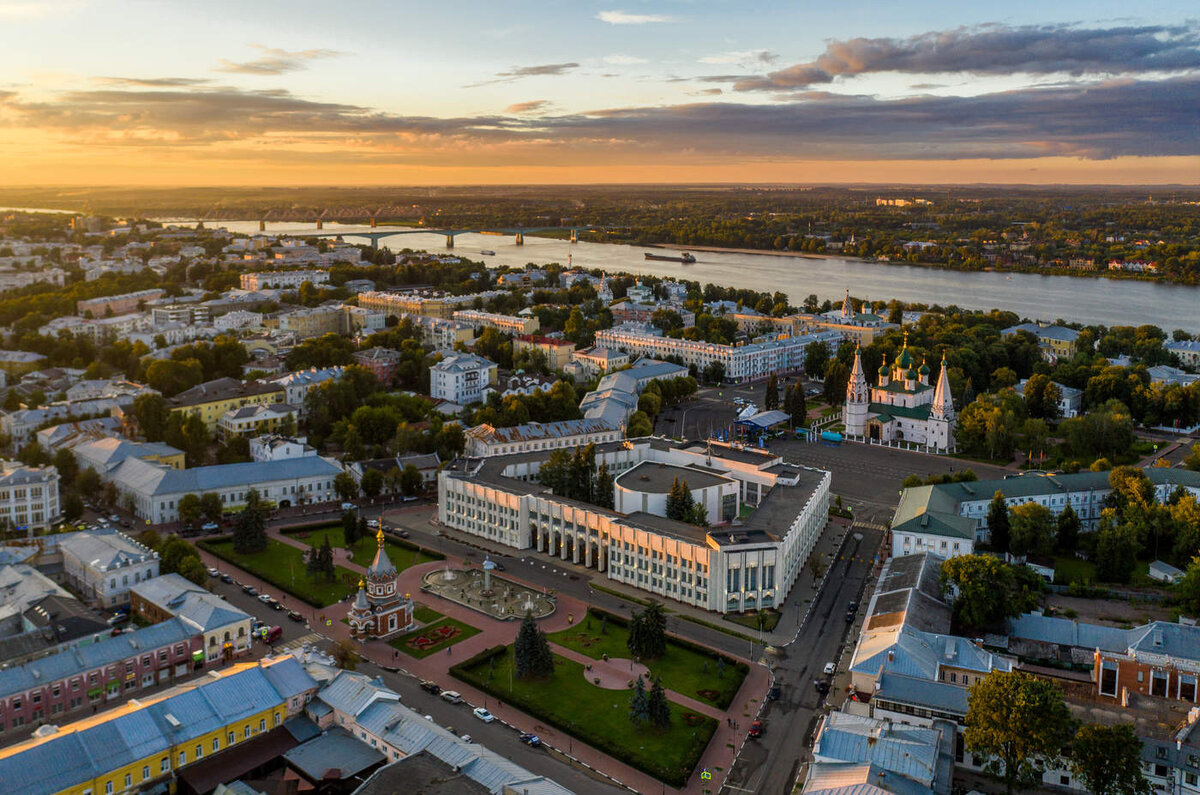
902 406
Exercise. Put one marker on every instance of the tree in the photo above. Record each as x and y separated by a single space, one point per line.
1188 588
211 506
152 412
411 480
639 425
604 487
657 706
189 510
796 404
531 651
1108 760
648 632
1192 461
372 482
816 358
639 704
67 466
345 656
250 529
771 399
1017 725
837 376
193 569
1117 548
1032 529
325 564
344 485
714 373
1067 531
88 483
998 526
349 529
988 590
72 506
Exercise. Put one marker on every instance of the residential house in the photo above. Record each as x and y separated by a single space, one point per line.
225 628
462 378
103 565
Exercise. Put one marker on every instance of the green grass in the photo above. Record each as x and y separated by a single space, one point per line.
1069 569
682 669
364 551
770 620
282 565
424 614
597 716
401 643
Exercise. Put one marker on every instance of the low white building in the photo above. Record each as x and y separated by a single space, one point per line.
282 279
237 319
104 565
28 495
462 378
485 440
255 420
279 448
296 385
156 489
1188 351
226 629
596 360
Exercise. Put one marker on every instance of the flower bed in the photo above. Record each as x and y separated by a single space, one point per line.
433 637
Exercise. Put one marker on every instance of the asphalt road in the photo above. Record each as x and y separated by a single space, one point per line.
495 736
769 764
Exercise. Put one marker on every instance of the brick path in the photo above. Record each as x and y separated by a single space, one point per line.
717 758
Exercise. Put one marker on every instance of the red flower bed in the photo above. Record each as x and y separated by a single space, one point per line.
433 637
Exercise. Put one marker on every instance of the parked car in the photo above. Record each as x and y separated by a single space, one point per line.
403 534
210 527
212 572
275 604
532 740
372 523
466 738
114 518
117 618
266 598
270 634
850 617
773 693
853 607
453 696
821 685
430 687
499 565
756 729
830 669
483 714
348 506
226 578
250 590
294 616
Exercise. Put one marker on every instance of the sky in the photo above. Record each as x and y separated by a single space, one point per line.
394 92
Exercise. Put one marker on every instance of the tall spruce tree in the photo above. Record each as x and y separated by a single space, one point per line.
675 506
771 400
604 487
349 529
250 529
998 525
524 648
659 709
654 627
639 703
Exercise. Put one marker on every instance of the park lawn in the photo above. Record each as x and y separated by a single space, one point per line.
770 621
282 565
464 631
364 551
1069 569
424 614
687 672
597 716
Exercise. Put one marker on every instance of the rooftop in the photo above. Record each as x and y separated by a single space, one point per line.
657 478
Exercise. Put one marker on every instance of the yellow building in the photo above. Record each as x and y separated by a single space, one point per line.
557 352
151 739
210 400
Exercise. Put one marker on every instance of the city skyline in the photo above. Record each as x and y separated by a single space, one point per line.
155 94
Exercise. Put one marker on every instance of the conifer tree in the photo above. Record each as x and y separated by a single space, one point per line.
657 706
604 488
998 525
771 401
639 704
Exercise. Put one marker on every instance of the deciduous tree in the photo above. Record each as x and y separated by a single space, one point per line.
1017 725
1108 759
998 526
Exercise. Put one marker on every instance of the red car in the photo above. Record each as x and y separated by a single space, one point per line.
756 729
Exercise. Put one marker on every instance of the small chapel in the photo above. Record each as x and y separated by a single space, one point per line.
902 405
379 609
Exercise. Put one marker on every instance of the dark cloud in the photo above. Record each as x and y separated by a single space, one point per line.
518 72
275 61
151 82
1099 120
527 107
998 50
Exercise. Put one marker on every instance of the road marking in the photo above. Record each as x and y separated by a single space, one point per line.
310 639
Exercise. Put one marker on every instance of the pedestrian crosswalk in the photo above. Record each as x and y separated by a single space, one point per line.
311 639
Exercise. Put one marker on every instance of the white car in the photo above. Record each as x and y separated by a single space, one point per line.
483 714
830 669
265 598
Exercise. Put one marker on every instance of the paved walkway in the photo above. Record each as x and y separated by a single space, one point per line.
717 759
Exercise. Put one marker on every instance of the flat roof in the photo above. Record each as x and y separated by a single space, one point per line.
657 478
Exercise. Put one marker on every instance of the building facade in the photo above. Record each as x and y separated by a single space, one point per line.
224 629
902 406
28 495
507 324
484 440
725 569
103 566
282 279
462 378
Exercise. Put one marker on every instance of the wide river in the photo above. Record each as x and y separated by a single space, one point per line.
1110 302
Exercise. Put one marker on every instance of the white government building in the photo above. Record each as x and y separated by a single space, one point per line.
739 563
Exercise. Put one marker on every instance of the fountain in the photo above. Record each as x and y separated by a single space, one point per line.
488 565
484 590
